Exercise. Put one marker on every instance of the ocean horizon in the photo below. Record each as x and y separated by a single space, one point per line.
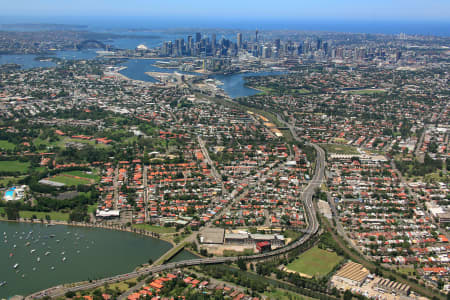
110 23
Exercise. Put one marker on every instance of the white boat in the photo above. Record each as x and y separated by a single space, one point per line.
32 251
52 268
62 253
63 259
2 283
27 244
47 253
16 266
14 246
38 259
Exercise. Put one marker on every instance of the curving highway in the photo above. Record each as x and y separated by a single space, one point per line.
312 228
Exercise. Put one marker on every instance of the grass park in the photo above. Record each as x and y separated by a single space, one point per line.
61 142
280 294
38 142
267 90
5 145
315 262
153 228
57 216
54 215
10 180
14 166
340 149
366 92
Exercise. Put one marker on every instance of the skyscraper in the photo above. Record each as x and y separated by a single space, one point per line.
213 40
239 40
190 44
325 47
198 37
319 44
256 36
277 43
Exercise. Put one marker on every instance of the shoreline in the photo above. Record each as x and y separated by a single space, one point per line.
142 232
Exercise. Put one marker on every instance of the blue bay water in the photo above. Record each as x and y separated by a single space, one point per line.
91 253
234 84
26 61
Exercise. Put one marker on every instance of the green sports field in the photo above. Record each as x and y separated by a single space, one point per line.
14 166
83 175
315 262
69 180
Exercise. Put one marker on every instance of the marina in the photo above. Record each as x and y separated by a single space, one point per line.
67 254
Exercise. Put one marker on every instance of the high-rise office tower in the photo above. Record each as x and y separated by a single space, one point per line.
177 50
213 40
277 43
319 44
325 47
300 49
165 49
239 40
190 44
266 52
256 36
198 37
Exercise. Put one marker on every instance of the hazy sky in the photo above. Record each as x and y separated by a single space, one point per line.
413 10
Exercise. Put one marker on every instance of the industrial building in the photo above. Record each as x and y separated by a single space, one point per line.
352 273
219 236
394 287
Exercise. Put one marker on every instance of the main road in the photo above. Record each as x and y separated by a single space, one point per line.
311 230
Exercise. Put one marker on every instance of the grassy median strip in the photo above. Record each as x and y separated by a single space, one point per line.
171 253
